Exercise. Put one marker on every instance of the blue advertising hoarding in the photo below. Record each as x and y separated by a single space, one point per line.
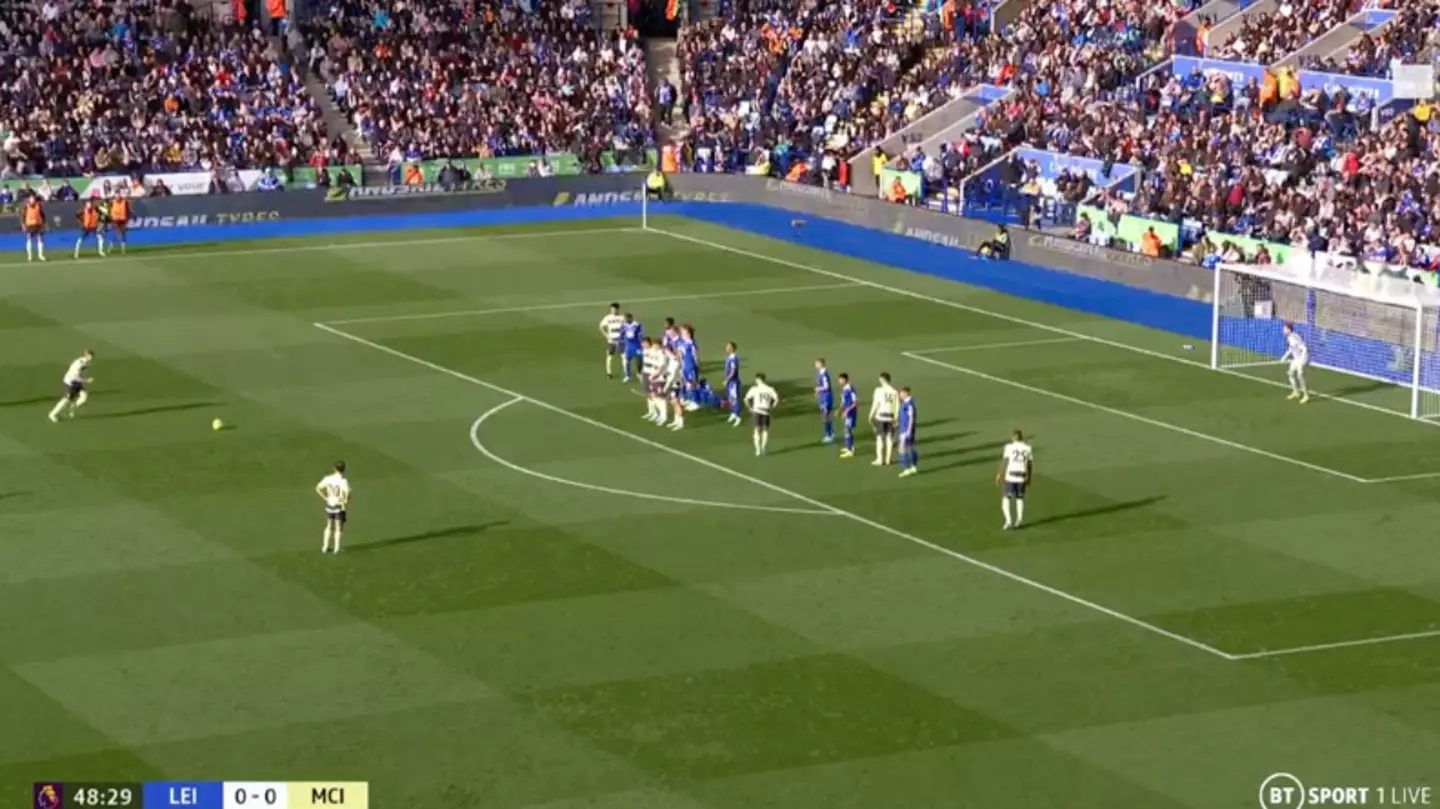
1052 164
1381 91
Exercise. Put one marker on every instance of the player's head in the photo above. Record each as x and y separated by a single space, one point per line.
731 348
88 354
340 467
670 323
820 364
687 329
904 393
759 377
844 378
1289 328
1017 436
614 308
629 318
884 378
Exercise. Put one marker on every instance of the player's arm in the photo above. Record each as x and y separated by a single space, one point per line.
1000 473
848 410
1029 472
320 492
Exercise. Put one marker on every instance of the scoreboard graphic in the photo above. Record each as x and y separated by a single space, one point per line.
203 795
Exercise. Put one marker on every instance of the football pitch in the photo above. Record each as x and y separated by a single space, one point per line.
547 602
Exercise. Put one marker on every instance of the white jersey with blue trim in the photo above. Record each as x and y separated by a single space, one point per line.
611 326
1295 349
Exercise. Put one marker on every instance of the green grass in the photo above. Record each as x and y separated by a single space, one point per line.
817 633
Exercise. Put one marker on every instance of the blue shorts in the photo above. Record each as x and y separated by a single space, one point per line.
690 374
732 395
850 422
826 404
632 352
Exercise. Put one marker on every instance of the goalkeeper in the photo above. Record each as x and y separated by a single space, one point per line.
1297 354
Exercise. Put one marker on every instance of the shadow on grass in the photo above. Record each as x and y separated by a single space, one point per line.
1097 511
425 536
150 411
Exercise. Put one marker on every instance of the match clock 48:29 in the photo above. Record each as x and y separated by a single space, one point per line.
102 796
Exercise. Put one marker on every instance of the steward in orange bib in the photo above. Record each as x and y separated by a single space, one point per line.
32 221
89 218
120 219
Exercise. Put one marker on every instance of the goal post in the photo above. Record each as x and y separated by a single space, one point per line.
1376 327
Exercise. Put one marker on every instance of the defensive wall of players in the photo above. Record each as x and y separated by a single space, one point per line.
1049 268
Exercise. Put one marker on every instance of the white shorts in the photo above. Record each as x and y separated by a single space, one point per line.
1298 366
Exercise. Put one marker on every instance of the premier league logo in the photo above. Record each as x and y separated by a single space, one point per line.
47 796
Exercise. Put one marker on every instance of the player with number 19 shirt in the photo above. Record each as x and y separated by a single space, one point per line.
761 399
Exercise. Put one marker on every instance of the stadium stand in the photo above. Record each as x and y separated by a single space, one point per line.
149 85
1269 37
1408 38
457 79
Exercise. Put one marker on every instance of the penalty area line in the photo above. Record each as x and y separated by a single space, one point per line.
817 504
682 501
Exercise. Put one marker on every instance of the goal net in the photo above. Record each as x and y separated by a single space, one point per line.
1376 327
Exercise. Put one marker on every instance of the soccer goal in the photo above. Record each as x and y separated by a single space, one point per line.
1376 327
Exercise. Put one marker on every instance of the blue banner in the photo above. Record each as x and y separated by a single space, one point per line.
1381 91
1052 164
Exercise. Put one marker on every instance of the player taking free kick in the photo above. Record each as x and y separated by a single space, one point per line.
1297 354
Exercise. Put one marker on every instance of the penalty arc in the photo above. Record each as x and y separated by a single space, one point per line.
475 439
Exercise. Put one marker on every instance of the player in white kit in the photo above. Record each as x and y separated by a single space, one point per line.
883 406
652 362
610 326
1297 354
760 400
75 382
1016 464
334 492
670 387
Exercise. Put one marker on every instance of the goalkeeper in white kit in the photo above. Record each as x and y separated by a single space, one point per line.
1297 354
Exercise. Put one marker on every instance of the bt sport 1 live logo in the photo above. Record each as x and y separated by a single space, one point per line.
1285 791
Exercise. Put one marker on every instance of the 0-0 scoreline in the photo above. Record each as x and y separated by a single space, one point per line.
202 795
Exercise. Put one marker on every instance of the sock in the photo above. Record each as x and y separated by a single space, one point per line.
325 540
849 440
40 247
764 439
1005 509
61 406
337 539
609 363
756 437
78 242
82 398
880 449
100 243
29 248
889 449
1019 511
1304 389
829 428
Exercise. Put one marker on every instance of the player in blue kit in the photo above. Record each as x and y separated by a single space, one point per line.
825 399
849 414
670 336
909 457
632 336
705 395
732 383
689 367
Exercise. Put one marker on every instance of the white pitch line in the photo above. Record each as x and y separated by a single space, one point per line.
1019 320
160 255
684 501
878 526
1164 425
1344 644
1399 478
544 307
989 346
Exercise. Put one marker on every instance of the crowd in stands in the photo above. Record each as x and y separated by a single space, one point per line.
1408 38
463 79
1268 38
145 85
